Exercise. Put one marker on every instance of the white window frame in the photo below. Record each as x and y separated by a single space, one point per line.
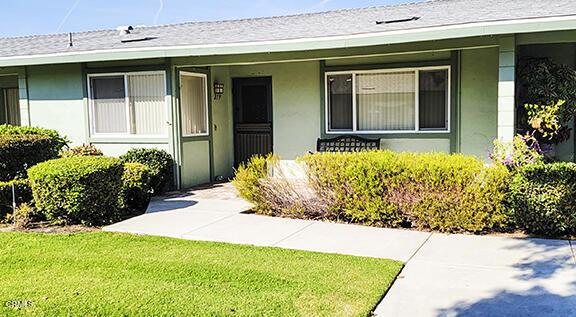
201 75
128 135
416 130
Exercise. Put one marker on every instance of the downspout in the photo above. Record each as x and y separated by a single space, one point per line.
28 116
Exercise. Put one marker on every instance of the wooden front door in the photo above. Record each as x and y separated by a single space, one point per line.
252 117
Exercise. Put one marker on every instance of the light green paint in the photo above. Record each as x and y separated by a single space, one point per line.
295 104
416 145
388 53
507 88
196 167
57 101
222 124
546 37
390 59
478 100
117 149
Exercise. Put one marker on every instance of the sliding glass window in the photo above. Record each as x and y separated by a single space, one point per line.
128 104
381 101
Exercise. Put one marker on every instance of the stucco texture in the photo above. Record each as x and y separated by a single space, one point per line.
478 101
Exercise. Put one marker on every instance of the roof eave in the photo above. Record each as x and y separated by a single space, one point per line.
392 37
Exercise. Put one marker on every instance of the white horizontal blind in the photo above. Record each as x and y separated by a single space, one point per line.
193 92
12 100
109 104
147 105
386 101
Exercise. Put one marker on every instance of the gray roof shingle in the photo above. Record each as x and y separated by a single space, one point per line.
312 25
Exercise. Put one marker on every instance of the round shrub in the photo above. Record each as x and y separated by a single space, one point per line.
58 140
136 188
543 199
82 150
78 190
160 164
24 147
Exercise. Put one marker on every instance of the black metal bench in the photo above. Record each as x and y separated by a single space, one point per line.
347 143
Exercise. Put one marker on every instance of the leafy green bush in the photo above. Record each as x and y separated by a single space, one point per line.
82 150
428 190
22 191
543 198
58 140
23 147
24 216
78 190
160 164
136 188
248 177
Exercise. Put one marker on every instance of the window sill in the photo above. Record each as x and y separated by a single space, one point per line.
392 134
130 139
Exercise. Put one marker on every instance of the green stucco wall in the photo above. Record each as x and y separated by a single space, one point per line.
478 100
295 104
56 100
196 169
222 131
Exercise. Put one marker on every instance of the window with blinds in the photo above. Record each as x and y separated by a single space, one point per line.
128 104
194 104
410 100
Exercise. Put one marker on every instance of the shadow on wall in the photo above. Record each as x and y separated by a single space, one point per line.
552 261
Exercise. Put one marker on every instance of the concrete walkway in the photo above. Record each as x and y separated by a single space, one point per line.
445 275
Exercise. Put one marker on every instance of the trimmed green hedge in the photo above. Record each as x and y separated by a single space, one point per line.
136 188
23 195
543 198
160 164
449 193
23 147
78 190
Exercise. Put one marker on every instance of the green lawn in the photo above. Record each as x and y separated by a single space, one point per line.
104 274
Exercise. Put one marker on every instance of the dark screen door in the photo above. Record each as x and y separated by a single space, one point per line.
252 117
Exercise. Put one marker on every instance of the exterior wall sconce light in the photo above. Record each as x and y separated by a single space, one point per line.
218 90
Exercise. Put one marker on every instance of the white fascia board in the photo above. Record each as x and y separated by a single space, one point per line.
304 44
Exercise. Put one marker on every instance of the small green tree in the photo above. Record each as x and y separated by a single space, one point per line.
548 92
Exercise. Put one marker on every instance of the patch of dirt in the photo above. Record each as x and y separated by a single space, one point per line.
51 229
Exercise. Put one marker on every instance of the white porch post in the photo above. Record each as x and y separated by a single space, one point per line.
506 88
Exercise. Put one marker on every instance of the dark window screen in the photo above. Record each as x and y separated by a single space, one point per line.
340 102
433 100
255 104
